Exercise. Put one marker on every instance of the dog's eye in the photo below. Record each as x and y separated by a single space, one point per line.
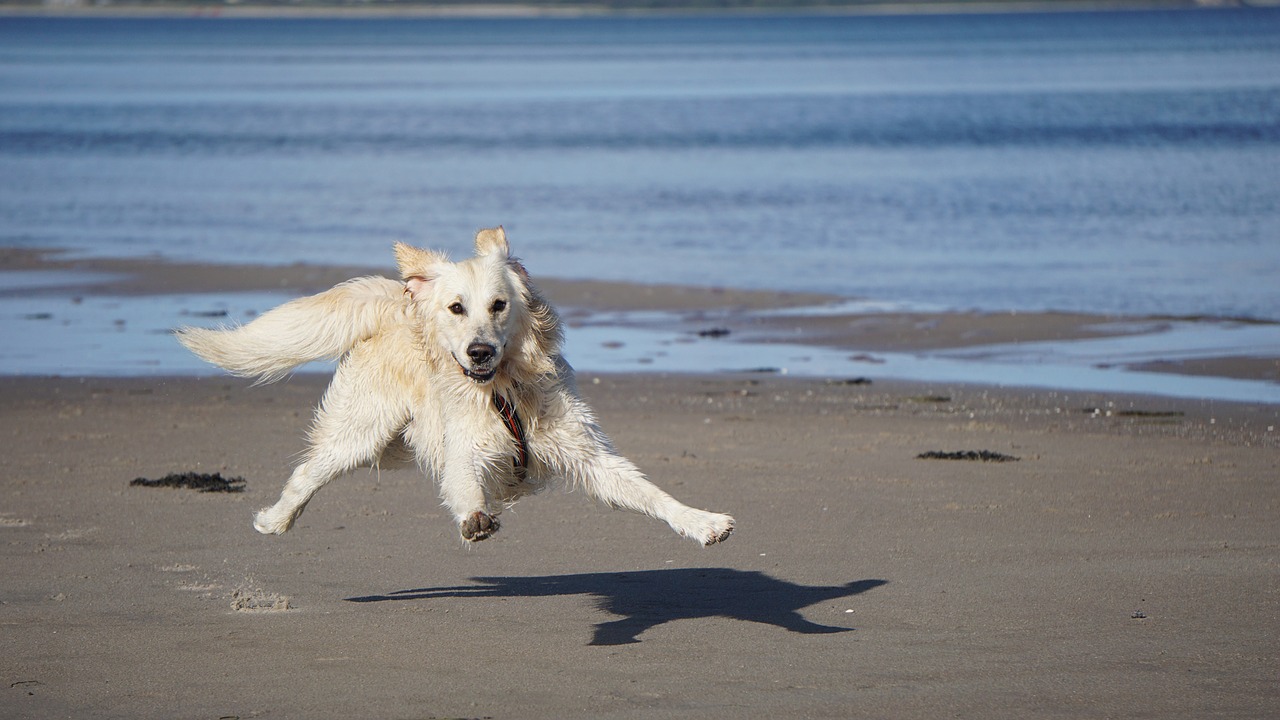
498 306
457 309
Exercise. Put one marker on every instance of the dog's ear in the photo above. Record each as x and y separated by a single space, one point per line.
415 286
491 241
418 267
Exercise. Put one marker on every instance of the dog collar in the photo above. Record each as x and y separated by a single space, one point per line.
511 419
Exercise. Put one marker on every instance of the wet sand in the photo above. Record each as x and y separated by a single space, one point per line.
1127 564
758 316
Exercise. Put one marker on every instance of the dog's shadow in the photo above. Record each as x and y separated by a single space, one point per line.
649 598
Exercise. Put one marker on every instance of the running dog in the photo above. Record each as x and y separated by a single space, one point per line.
458 364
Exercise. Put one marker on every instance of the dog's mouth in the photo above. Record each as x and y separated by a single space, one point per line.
479 375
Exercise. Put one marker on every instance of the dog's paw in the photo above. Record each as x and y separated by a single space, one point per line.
479 526
707 528
270 521
720 530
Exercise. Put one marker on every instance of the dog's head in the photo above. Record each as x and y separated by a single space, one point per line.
481 314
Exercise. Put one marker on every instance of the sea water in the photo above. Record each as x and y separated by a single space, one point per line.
1110 162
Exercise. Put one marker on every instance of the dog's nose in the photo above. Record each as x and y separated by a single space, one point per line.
480 353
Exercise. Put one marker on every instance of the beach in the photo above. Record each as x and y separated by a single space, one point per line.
1123 565
970 321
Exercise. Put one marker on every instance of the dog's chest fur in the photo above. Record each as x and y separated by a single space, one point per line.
492 442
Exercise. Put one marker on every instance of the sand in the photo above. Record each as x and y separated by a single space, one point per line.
1127 564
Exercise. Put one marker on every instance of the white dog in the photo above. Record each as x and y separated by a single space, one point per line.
461 363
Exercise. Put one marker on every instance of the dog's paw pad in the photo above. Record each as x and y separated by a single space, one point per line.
721 533
721 537
479 526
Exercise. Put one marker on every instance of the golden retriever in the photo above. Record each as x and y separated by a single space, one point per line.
458 363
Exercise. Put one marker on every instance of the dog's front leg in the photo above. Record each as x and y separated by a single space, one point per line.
584 456
462 490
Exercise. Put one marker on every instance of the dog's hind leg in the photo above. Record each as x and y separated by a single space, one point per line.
354 424
614 481
585 457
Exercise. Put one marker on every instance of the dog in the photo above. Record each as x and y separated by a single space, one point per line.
457 366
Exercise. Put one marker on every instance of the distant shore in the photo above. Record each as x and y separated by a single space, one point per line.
79 8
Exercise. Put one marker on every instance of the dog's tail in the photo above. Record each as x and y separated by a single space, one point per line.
318 327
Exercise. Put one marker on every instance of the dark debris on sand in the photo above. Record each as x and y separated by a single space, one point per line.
977 455
195 481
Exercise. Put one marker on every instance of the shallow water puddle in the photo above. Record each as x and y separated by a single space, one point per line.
130 336
1059 365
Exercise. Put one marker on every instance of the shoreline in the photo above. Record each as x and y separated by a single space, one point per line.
619 327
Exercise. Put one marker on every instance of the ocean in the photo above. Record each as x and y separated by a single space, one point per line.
1119 163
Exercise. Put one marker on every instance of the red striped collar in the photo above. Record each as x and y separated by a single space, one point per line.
511 419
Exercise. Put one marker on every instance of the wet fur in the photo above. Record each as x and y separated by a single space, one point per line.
420 361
